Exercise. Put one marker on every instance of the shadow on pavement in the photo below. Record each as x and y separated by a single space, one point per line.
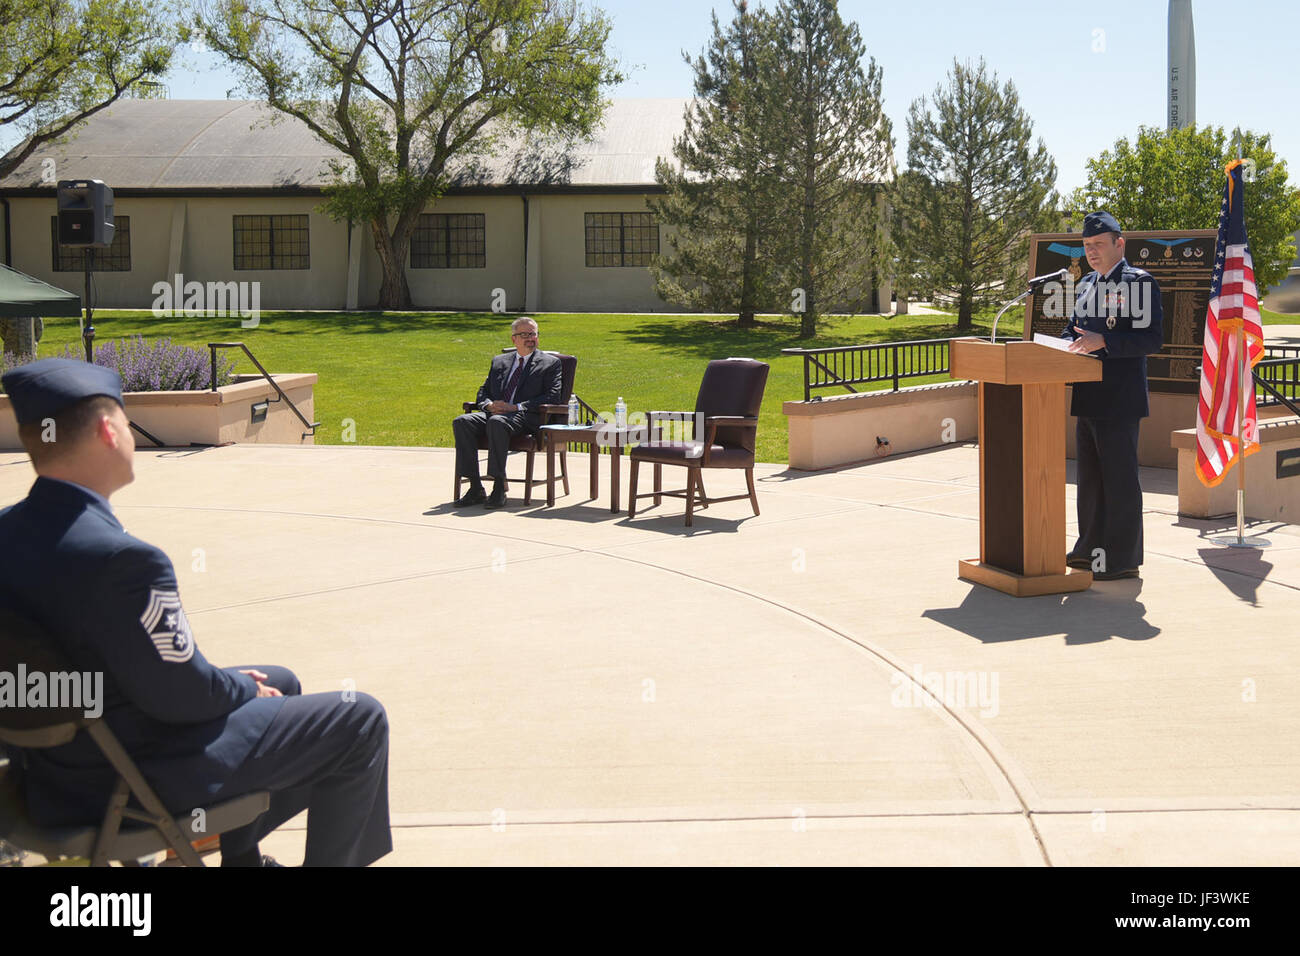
1109 610
1240 570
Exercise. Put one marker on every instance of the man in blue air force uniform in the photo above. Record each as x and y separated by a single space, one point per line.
199 734
1117 317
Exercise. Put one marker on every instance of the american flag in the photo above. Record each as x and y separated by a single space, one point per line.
1234 305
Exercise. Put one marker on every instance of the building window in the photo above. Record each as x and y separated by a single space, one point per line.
116 258
621 238
449 241
272 242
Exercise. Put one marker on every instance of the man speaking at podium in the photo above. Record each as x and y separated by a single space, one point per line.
1117 317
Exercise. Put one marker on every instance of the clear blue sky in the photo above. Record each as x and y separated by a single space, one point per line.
1081 100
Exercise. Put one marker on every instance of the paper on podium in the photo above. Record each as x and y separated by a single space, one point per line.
1052 342
1058 344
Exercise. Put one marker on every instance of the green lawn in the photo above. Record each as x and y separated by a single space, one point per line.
403 387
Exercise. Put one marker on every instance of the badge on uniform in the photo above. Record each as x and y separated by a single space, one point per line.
164 621
1110 322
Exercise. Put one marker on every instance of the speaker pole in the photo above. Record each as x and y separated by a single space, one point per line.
89 334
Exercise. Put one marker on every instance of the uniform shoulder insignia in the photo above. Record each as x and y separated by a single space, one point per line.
1136 272
164 621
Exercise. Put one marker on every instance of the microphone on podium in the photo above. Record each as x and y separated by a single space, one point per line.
1034 285
1056 276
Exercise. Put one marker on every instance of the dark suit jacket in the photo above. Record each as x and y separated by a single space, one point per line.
111 604
541 384
1124 308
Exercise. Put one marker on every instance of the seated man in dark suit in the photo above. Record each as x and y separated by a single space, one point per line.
199 734
518 384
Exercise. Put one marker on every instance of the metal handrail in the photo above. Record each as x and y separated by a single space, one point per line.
860 357
213 346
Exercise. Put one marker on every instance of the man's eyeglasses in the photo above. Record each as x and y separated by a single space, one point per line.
523 335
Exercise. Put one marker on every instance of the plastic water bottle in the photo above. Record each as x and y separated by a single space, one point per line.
620 413
573 409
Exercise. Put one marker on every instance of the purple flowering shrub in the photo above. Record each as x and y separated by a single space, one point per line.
10 360
158 366
161 366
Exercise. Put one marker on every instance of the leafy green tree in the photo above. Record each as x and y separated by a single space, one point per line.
718 203
404 88
836 145
980 187
62 61
1173 179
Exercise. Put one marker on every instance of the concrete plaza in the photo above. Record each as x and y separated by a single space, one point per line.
566 686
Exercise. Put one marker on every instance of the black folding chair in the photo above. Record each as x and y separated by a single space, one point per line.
22 642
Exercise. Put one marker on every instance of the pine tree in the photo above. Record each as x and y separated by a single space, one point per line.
978 188
835 150
717 201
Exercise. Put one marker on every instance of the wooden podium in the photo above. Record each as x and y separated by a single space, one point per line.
1022 463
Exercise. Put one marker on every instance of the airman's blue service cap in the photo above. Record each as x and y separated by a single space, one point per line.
1095 223
43 389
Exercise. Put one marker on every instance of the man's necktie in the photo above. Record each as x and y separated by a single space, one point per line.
514 381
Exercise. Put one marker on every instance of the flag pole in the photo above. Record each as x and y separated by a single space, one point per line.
1243 370
1241 411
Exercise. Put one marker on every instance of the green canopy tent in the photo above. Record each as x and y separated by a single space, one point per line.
21 295
23 302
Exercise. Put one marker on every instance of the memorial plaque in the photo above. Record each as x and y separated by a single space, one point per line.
1182 261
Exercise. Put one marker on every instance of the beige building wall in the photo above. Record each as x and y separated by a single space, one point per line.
566 283
150 237
195 236
468 289
208 250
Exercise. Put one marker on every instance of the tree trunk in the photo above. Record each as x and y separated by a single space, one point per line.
808 322
19 335
965 311
394 293
746 318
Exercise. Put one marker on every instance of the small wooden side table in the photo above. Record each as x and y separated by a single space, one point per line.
597 436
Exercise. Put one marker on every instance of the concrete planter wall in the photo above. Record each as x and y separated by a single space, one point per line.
1269 496
208 417
842 429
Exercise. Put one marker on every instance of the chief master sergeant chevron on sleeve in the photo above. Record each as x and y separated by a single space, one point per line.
1118 317
199 734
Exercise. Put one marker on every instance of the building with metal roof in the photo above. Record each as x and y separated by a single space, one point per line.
229 190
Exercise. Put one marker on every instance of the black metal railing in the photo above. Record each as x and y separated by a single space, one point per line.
850 365
281 396
1278 376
